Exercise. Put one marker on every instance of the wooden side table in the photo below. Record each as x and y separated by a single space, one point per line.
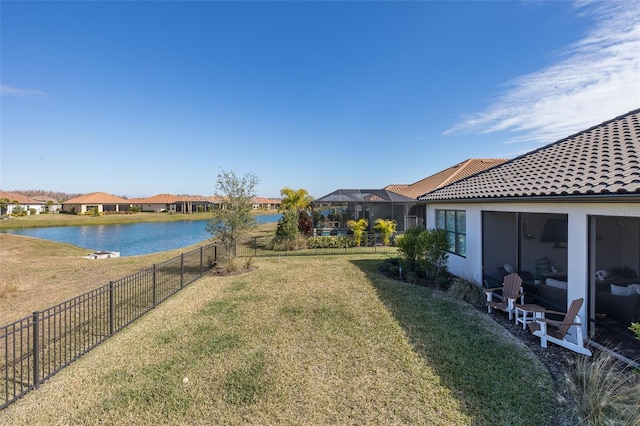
528 313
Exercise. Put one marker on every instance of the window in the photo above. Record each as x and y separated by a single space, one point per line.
455 223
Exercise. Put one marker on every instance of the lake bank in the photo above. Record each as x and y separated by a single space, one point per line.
130 239
38 273
49 220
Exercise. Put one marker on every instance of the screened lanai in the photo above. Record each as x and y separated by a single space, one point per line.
335 209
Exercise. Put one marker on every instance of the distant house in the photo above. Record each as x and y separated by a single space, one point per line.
395 202
175 203
14 203
556 215
261 203
49 204
103 202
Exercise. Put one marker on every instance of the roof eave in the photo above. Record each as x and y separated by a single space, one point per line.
594 198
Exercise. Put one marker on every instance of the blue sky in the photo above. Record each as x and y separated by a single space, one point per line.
139 98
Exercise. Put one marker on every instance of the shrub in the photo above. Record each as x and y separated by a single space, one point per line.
305 226
231 265
287 226
288 244
467 291
387 228
394 270
443 281
605 391
358 228
433 246
412 277
635 327
408 246
330 242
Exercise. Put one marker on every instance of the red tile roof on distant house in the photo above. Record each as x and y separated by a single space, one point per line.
97 198
263 200
445 177
602 160
21 199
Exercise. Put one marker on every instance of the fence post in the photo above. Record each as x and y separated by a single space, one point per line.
36 351
111 308
155 290
181 270
201 261
215 253
255 246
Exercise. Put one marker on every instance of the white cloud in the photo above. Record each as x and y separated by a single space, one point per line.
15 91
597 79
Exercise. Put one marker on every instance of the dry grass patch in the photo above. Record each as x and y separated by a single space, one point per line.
37 274
297 341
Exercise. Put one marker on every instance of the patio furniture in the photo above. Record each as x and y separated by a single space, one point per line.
528 313
504 298
554 331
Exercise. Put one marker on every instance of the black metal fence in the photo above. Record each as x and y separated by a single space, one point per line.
37 347
265 246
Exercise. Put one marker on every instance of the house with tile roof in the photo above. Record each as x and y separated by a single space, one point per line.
396 202
17 202
174 203
565 216
103 202
263 203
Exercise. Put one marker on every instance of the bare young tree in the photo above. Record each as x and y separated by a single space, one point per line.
233 219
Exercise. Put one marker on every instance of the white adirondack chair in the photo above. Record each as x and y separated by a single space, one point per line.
556 331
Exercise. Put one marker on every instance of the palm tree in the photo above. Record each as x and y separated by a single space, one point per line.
387 228
358 229
295 200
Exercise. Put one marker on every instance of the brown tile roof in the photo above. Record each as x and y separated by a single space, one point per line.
156 199
445 177
396 188
22 199
602 160
264 200
97 198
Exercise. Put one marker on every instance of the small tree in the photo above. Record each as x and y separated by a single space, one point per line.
387 228
287 226
433 247
408 246
234 220
358 229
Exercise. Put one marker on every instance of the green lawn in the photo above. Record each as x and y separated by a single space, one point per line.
313 340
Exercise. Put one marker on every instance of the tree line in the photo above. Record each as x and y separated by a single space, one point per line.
56 195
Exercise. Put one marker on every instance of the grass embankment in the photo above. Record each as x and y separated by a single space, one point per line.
313 340
37 274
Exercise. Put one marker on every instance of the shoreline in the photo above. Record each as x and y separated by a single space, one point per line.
59 219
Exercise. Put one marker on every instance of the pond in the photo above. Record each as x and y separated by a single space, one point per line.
130 239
